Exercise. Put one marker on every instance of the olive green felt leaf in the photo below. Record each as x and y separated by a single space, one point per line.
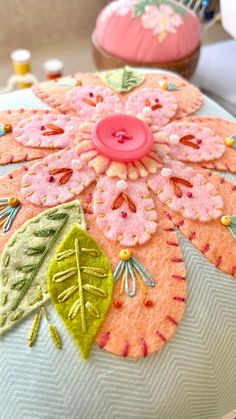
26 258
141 5
80 283
122 80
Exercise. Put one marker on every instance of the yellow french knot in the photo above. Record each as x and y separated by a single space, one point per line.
225 220
8 128
13 201
125 254
229 141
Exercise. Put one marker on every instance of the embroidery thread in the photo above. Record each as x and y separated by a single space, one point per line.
5 129
129 268
9 207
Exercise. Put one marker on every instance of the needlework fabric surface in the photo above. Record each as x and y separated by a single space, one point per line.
183 380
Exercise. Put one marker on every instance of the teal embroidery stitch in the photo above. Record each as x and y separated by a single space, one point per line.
9 208
129 267
5 129
25 260
172 87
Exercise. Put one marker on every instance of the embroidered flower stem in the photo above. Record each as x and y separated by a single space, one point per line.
52 330
33 333
36 267
8 211
130 269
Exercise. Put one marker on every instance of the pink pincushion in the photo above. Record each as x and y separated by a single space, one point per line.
136 31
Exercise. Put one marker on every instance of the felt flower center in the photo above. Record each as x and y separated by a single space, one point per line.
122 137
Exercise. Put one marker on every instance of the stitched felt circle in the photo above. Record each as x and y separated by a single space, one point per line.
47 131
122 137
89 102
160 106
193 142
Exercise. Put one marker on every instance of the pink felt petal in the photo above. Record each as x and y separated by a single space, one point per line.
200 202
224 129
122 224
42 188
84 102
210 146
136 104
31 132
12 151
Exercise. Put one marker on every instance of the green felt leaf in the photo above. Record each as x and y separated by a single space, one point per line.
122 80
26 258
81 286
140 6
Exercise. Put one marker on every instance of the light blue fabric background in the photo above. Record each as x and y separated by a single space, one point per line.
192 377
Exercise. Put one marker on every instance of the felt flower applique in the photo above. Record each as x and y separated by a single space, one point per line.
140 174
161 20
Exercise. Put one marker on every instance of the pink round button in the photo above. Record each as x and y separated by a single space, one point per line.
122 137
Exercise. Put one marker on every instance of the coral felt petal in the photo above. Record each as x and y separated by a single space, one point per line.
213 239
151 326
223 128
12 151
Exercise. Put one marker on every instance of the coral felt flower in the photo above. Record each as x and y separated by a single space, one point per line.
140 175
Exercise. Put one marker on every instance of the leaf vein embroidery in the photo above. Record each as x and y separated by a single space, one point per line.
83 320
